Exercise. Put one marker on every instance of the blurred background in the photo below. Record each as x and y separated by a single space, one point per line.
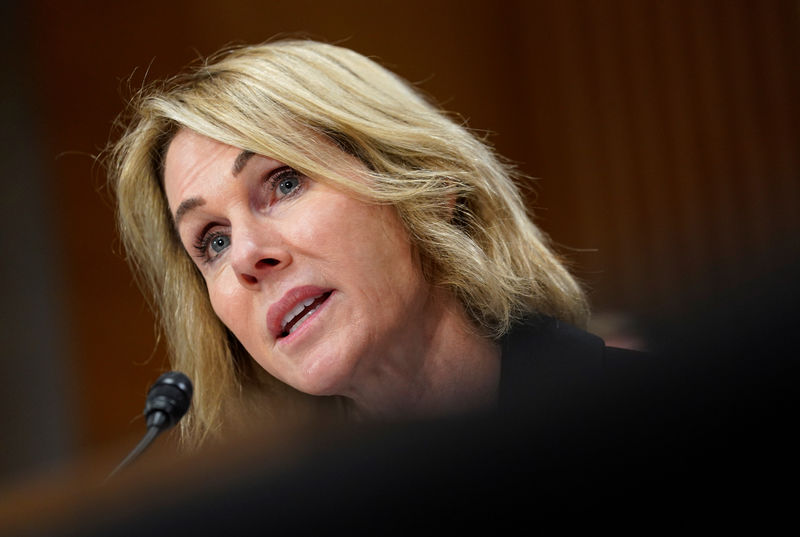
663 137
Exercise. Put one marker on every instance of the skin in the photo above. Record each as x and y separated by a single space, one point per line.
384 337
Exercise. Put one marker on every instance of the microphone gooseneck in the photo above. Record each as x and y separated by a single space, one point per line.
167 401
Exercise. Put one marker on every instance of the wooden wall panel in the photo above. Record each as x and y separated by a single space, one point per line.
663 136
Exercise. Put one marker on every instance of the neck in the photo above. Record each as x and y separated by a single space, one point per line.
450 369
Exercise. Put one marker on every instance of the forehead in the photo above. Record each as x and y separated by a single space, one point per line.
195 163
193 159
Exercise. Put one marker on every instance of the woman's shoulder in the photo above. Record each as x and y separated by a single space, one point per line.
546 359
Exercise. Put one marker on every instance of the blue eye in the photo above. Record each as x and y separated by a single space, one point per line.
219 243
210 245
286 185
286 182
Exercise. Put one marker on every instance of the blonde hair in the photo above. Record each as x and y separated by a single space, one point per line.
460 206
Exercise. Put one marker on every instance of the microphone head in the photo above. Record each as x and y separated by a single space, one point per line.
168 400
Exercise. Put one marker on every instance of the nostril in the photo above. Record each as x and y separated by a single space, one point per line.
249 279
268 261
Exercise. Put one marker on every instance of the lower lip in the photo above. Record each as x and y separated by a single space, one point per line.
300 330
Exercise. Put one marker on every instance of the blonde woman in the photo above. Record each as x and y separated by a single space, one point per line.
308 225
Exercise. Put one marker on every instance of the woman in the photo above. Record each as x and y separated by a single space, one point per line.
308 224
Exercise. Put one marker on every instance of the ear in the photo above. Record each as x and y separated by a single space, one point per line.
452 199
451 205
457 207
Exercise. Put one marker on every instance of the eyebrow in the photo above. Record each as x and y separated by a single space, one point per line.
186 206
191 203
241 162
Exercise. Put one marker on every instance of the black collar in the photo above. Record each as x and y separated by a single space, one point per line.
545 361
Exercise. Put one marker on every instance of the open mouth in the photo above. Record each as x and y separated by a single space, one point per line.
300 313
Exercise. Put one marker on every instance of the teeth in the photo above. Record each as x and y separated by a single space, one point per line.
297 310
299 322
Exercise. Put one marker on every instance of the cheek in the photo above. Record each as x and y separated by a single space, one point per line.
391 249
226 304
383 257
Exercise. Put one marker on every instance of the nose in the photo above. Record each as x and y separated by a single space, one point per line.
258 254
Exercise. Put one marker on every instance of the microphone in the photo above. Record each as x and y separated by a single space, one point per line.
167 401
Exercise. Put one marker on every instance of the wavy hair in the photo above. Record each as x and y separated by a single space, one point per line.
458 201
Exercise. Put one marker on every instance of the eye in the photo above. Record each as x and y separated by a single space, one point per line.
210 245
286 181
286 186
219 243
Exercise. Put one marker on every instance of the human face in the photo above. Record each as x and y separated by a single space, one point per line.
317 285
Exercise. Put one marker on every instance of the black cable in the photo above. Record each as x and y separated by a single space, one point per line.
167 401
148 438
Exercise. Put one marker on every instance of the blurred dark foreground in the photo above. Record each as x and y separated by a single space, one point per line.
698 435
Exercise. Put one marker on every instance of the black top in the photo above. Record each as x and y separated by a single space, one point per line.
584 434
548 364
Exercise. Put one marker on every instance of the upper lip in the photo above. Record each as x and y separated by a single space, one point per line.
287 302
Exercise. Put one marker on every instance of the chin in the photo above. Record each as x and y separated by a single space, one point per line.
323 378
